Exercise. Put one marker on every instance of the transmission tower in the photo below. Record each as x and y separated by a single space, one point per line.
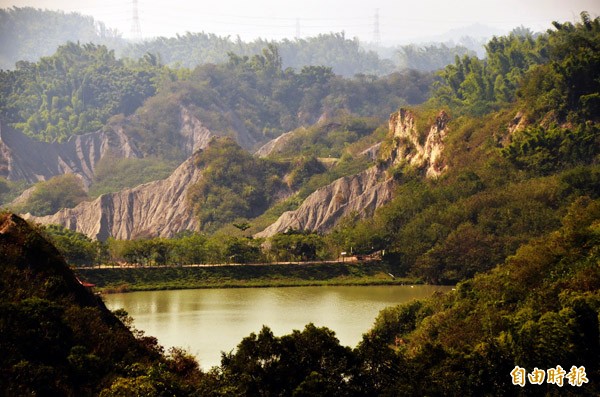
136 30
376 34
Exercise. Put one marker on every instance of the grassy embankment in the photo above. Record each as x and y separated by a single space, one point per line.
109 280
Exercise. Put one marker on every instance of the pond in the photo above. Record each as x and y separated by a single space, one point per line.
208 321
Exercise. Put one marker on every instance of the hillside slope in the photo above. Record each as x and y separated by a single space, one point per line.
23 158
57 337
160 208
156 208
365 192
538 310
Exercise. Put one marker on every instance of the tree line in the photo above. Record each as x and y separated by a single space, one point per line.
85 87
74 91
34 33
190 248
553 71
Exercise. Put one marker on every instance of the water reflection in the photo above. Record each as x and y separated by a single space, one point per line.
208 321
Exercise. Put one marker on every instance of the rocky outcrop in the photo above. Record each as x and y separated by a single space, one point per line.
364 192
372 152
193 134
274 145
361 193
22 158
154 209
421 149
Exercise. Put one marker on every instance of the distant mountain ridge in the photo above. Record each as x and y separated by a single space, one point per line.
33 161
24 158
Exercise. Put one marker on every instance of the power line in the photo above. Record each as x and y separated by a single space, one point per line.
178 18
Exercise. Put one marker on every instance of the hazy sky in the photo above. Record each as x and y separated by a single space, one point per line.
399 20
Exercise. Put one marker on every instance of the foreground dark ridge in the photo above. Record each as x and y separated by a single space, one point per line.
56 337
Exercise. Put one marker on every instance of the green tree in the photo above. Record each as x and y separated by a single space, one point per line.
295 245
429 57
74 91
546 150
234 185
63 191
190 249
242 250
477 86
568 84
76 248
300 363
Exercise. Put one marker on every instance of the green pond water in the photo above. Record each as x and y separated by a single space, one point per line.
208 321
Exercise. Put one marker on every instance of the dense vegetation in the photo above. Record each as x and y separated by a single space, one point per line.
9 190
429 57
76 248
63 191
553 72
74 91
81 87
255 96
190 248
234 185
110 280
539 309
57 338
29 34
344 56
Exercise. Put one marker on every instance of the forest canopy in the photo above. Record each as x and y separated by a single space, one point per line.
82 87
555 71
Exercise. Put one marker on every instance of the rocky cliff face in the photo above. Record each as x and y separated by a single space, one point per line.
421 149
274 145
154 209
370 189
193 134
363 193
22 158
